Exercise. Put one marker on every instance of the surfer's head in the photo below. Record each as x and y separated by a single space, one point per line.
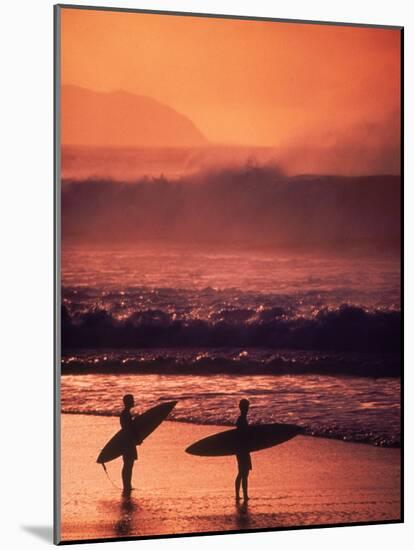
244 406
128 400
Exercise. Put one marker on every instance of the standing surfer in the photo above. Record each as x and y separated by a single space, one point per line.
244 462
130 452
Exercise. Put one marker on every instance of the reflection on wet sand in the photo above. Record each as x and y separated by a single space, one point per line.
125 524
307 481
242 515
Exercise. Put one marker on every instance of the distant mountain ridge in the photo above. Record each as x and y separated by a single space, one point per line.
123 119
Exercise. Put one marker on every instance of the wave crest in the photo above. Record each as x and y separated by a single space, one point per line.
347 328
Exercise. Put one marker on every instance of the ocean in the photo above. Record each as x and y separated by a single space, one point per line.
311 338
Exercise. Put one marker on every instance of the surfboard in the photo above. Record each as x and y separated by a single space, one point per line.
255 438
143 425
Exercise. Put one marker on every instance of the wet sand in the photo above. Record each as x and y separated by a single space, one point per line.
307 481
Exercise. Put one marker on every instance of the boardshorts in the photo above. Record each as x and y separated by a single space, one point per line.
244 463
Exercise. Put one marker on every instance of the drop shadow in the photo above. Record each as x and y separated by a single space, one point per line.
43 532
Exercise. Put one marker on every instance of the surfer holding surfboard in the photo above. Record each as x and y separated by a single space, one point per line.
134 430
242 441
129 455
244 462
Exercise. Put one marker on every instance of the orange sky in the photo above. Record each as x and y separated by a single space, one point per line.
246 82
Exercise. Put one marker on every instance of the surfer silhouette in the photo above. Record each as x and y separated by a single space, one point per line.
130 452
244 462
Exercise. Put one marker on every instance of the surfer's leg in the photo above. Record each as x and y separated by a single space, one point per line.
239 475
244 485
127 473
237 485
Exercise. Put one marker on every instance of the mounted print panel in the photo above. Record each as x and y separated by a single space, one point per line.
228 264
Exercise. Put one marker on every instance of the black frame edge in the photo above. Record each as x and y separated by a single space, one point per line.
228 16
56 279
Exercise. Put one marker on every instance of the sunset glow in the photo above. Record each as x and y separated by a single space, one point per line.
250 82
230 232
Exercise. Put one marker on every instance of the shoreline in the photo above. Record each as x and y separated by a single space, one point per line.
306 481
230 425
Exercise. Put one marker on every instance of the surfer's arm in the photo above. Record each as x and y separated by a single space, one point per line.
242 424
131 428
139 441
126 423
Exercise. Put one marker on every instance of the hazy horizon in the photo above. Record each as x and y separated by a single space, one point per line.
123 121
327 98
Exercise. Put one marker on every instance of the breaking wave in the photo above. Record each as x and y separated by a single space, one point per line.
252 205
347 328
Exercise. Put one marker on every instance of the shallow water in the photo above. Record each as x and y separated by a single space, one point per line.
349 408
